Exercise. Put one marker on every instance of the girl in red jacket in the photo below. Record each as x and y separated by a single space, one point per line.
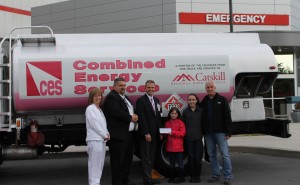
174 144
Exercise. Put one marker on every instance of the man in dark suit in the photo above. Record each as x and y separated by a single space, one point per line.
121 121
148 110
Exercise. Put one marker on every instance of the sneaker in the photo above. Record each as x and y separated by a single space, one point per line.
213 179
227 181
171 180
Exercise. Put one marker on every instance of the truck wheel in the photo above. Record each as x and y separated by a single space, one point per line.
162 163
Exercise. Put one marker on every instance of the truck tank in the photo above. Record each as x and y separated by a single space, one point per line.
59 76
52 75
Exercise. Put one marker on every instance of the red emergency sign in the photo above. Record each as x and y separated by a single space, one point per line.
238 19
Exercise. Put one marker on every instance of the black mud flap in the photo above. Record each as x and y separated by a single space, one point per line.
1 159
270 126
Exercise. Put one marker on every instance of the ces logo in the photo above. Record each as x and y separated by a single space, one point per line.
44 78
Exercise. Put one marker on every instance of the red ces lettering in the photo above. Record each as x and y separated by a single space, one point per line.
50 88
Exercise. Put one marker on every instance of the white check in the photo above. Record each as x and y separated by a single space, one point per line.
165 130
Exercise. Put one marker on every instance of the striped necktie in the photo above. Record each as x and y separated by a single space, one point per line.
153 104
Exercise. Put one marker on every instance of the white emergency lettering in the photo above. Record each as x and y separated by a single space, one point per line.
237 18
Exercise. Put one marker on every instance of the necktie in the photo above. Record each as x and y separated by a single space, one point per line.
153 104
126 101
130 108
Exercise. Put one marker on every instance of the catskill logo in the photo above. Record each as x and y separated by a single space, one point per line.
183 77
44 78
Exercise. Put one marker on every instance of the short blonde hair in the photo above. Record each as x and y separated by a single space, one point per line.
93 93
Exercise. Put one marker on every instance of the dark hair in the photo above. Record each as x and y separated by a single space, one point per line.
171 110
118 80
192 94
150 82
93 93
197 98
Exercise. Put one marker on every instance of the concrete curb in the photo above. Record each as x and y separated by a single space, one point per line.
266 151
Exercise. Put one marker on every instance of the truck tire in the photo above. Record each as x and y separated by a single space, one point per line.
162 163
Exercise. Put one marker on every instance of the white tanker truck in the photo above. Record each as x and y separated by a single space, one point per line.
47 78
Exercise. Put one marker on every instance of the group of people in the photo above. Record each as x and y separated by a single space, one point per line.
184 132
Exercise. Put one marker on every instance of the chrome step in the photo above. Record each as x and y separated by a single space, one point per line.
4 65
5 81
5 113
5 97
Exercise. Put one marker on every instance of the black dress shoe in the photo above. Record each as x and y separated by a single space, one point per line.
179 180
192 179
197 179
155 181
129 183
148 183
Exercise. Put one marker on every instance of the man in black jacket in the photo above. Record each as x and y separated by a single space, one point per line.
148 110
121 121
217 126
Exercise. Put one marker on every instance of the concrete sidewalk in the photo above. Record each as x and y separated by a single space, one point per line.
269 145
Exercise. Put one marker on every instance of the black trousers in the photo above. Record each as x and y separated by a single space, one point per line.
121 154
176 157
147 157
195 155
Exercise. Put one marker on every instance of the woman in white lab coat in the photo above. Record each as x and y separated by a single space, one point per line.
96 136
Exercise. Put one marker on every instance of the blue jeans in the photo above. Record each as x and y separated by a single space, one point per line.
212 141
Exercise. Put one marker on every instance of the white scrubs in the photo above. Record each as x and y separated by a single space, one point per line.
97 132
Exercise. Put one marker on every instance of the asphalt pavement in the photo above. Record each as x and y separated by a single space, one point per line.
249 166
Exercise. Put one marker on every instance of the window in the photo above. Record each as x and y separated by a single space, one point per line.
285 64
283 88
253 84
276 98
